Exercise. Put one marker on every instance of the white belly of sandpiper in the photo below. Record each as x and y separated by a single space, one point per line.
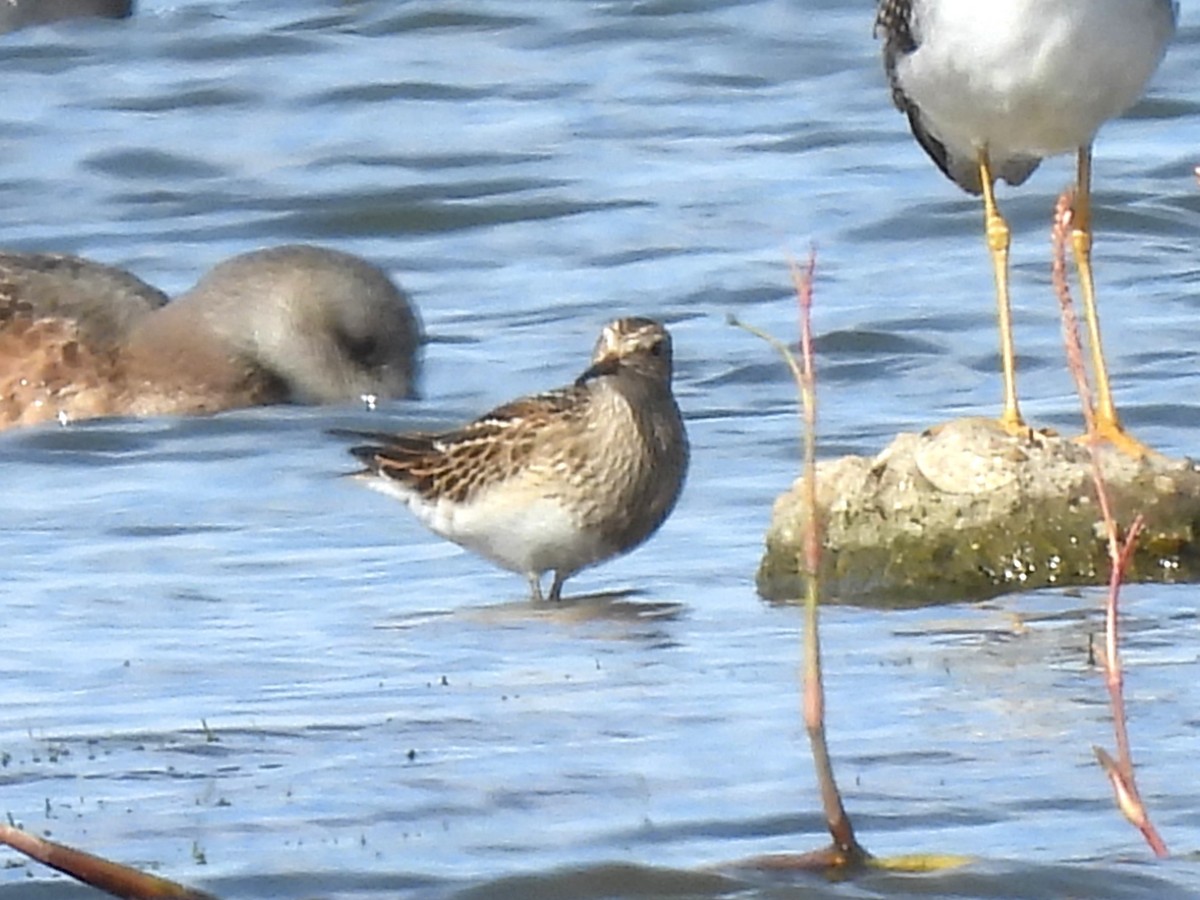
520 533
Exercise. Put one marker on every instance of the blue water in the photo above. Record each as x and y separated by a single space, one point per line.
225 664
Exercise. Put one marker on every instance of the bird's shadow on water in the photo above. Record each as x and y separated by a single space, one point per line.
616 607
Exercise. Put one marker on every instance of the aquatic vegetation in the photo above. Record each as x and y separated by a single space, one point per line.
1120 549
845 855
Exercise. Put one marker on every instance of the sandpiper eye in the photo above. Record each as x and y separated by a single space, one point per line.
656 348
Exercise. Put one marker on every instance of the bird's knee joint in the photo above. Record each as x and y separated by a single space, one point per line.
998 235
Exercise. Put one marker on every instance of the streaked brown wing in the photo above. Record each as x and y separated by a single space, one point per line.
455 464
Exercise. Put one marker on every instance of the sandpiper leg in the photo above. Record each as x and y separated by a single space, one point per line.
556 587
1108 423
535 586
998 239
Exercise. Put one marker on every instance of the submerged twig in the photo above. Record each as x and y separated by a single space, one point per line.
1119 771
110 877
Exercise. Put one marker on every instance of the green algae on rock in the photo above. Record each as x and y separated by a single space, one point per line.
965 511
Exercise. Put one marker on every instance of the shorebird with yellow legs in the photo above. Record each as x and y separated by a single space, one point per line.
990 87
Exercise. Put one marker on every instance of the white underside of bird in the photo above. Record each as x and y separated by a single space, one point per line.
536 534
1030 78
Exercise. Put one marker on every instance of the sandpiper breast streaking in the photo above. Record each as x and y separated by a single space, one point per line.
558 481
992 86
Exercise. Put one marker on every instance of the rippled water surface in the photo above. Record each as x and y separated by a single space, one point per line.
225 664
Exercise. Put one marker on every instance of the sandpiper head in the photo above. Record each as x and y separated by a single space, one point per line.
637 343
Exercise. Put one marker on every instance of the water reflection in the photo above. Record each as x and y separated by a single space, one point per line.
532 173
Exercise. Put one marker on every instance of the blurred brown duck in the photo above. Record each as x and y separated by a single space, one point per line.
295 323
16 14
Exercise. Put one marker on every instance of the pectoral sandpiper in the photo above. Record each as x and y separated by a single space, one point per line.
558 481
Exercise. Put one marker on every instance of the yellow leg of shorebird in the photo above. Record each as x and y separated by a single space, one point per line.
1108 424
998 239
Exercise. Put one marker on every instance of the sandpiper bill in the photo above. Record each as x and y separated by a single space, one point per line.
992 86
553 482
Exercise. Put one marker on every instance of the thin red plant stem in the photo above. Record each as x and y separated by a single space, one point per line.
1120 772
802 280
845 852
1070 323
840 827
1114 674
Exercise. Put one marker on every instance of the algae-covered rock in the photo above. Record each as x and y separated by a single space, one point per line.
965 511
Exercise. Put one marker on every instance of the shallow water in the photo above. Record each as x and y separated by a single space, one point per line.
226 664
